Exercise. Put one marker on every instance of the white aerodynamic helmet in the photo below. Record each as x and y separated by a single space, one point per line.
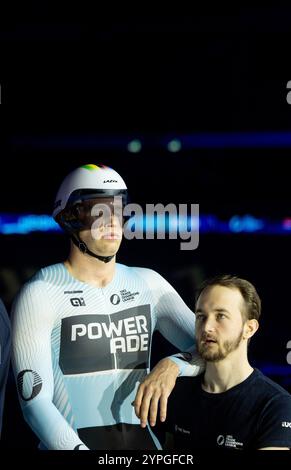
78 190
88 182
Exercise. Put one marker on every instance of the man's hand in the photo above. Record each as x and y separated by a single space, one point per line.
157 386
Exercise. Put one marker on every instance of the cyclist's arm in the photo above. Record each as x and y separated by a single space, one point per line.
32 323
176 322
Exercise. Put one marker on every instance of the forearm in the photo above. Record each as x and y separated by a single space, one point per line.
50 426
189 363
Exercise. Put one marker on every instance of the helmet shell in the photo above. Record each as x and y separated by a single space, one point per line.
87 182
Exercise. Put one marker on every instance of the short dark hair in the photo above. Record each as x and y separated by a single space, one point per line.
252 301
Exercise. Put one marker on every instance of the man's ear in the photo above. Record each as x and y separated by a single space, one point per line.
250 327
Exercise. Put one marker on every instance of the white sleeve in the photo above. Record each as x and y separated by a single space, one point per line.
32 323
175 321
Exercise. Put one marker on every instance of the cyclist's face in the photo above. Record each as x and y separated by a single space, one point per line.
103 220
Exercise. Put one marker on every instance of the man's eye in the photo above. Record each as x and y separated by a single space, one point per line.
199 316
221 316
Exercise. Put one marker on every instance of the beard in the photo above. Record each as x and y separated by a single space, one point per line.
216 352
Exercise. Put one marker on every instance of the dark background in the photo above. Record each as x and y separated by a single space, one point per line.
76 88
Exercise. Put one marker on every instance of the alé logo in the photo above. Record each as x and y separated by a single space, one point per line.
78 302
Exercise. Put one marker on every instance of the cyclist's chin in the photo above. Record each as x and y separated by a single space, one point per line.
106 246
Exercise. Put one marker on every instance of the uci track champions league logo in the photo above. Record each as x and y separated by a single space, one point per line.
157 220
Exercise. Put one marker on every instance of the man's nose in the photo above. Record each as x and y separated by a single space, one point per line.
115 219
209 325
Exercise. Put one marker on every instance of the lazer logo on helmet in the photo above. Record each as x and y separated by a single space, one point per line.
93 343
110 181
131 333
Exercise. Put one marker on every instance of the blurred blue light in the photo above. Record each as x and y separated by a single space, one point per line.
27 223
208 223
274 369
246 223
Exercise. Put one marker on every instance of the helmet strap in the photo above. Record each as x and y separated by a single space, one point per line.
84 249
